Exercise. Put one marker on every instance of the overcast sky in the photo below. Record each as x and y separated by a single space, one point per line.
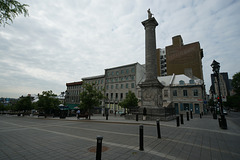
65 40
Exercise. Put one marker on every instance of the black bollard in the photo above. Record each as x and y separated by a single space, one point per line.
141 137
107 116
200 115
136 117
158 129
177 119
191 114
181 115
99 147
187 116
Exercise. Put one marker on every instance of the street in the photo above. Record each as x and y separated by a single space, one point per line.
39 138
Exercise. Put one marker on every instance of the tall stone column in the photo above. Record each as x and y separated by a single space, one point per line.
151 88
150 48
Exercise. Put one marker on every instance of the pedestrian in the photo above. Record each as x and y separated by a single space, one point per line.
78 113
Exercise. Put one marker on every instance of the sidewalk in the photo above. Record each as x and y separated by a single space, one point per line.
206 123
197 139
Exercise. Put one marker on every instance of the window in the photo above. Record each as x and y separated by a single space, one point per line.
181 82
121 96
111 86
107 86
121 86
185 93
116 96
165 93
126 85
122 71
174 92
186 106
111 96
133 70
107 95
116 72
195 92
116 86
127 71
191 81
132 85
112 73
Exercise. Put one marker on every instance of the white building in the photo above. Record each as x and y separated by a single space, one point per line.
183 93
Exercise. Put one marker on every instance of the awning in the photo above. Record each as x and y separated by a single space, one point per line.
72 106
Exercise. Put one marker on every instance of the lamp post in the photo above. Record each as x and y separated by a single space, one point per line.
215 68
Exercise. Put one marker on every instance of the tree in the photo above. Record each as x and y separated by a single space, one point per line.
47 102
233 101
2 107
9 9
24 104
130 101
89 98
236 83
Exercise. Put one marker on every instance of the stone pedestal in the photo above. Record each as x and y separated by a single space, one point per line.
151 94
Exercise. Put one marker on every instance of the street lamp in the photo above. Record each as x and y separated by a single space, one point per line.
215 68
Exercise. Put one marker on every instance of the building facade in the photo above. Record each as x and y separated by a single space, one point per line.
161 62
184 59
72 95
120 80
183 93
225 86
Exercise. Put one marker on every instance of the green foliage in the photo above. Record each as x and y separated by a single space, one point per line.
236 83
130 101
90 97
47 102
24 104
2 107
9 9
233 101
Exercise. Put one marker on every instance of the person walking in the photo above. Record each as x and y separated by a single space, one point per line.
78 114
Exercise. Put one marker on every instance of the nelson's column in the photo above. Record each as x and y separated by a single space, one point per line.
151 88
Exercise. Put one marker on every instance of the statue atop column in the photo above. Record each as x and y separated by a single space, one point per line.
149 13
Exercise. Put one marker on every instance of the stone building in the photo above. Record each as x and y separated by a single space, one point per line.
184 59
183 93
72 96
120 80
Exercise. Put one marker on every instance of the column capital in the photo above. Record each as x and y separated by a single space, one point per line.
150 22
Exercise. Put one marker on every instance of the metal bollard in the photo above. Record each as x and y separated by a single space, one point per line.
200 115
177 119
187 116
107 116
136 117
99 147
181 115
141 137
191 114
158 129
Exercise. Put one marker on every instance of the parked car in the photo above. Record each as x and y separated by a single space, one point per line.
225 112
